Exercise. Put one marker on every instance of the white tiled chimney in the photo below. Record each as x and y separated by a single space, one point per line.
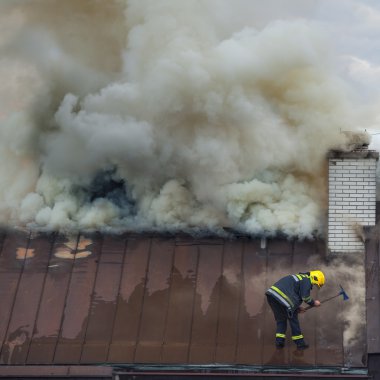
352 199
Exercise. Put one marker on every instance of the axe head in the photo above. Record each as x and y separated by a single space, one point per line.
343 293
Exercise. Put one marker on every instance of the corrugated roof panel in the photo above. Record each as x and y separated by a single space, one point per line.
251 311
373 292
11 267
79 299
229 303
130 300
155 303
180 308
104 301
52 302
329 342
85 252
279 256
205 307
302 252
35 257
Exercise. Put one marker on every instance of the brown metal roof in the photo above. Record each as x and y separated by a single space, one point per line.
134 298
373 295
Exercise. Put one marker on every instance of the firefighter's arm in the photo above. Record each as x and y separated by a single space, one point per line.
303 309
305 294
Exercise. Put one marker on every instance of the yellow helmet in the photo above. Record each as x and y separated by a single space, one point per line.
317 278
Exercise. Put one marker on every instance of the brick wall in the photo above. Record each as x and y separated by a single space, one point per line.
352 199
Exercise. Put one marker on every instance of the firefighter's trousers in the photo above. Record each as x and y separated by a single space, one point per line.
281 316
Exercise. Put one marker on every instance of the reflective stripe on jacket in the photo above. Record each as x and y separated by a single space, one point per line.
292 290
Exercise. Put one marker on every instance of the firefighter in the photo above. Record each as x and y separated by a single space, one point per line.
285 298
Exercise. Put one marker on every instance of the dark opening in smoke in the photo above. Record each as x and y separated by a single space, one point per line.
107 185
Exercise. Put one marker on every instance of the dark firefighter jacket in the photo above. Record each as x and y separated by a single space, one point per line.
292 290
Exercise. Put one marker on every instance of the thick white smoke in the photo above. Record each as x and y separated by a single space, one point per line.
162 115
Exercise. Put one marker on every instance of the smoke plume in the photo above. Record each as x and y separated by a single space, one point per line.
347 271
166 115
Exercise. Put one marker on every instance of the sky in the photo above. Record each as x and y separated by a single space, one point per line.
353 27
181 115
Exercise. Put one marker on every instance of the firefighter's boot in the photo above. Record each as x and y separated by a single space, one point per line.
280 342
301 344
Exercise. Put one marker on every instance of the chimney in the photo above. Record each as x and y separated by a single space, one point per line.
352 198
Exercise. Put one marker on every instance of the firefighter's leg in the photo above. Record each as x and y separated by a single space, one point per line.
297 335
280 316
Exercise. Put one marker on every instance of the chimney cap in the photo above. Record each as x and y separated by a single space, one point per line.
356 153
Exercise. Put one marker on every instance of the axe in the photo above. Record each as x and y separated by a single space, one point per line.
341 293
